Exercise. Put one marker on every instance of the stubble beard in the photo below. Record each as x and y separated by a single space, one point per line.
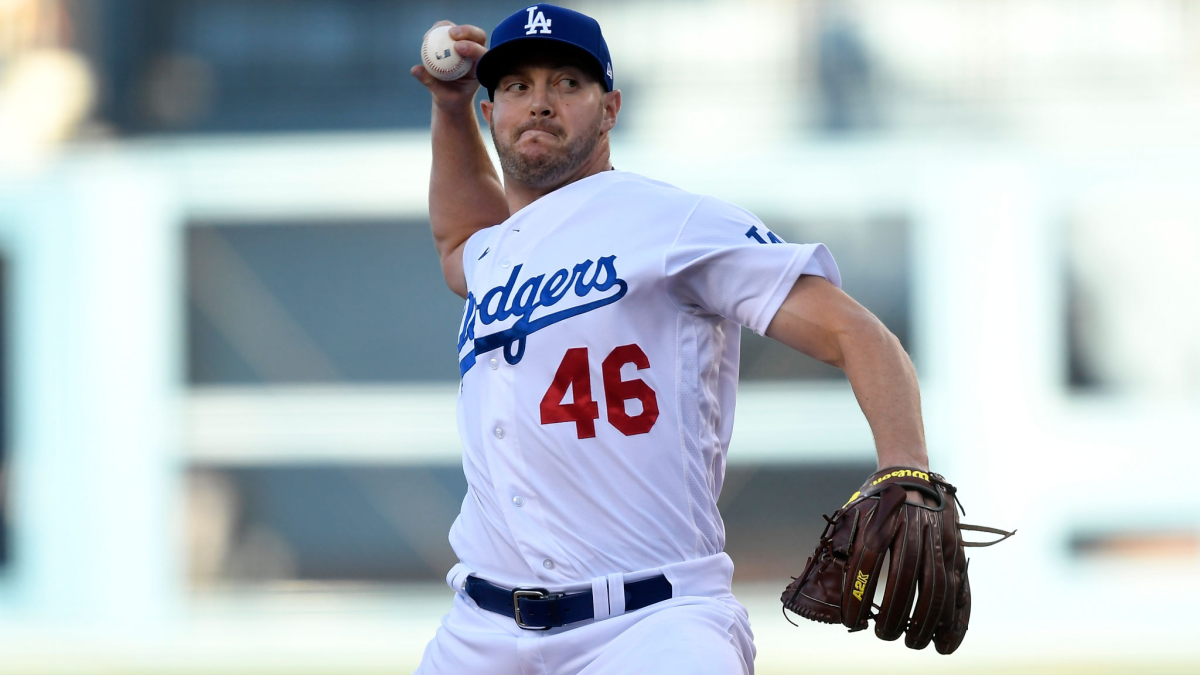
547 169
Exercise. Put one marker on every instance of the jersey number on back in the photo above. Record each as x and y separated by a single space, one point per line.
574 372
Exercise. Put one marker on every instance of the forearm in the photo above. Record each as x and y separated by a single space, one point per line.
465 192
885 384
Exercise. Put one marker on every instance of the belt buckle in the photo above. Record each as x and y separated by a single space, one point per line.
536 594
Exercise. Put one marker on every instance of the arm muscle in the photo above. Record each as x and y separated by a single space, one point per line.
820 320
465 193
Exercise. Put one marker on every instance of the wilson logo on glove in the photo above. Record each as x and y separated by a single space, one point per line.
901 473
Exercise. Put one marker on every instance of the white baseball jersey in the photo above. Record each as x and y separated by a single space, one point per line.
599 361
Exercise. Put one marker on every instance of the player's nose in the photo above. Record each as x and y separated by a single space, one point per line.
540 103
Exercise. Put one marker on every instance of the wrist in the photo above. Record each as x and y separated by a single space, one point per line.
905 460
455 109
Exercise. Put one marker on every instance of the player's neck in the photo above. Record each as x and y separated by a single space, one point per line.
520 195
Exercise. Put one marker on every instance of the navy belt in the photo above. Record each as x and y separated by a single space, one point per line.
538 609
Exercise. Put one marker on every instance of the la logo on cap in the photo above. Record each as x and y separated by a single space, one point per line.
536 22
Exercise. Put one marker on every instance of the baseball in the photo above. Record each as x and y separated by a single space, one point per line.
439 57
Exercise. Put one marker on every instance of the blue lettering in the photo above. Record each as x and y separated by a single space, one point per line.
610 273
500 293
531 295
752 233
550 294
525 307
581 288
468 325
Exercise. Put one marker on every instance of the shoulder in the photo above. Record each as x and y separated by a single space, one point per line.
691 214
649 192
698 205
714 210
716 221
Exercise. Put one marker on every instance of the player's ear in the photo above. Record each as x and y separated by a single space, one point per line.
612 106
486 108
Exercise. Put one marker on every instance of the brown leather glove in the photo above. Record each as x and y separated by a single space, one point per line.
926 553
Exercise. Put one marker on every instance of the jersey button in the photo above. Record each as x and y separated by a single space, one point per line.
499 432
506 263
548 564
494 364
519 500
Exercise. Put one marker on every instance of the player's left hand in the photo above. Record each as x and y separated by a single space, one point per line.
910 515
915 497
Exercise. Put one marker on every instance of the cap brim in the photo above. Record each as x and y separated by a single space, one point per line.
495 62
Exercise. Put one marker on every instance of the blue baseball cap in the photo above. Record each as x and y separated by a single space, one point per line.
541 26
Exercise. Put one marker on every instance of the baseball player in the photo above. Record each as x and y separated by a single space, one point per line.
598 353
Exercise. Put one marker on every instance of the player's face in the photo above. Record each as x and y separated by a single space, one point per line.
547 122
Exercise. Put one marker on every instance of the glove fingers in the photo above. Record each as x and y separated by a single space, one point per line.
950 635
953 626
862 573
933 583
901 588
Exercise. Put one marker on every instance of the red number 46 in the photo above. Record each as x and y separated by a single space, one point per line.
574 372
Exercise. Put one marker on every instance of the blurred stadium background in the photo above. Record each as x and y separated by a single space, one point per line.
227 372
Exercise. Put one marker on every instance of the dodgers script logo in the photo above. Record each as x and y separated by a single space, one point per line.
536 22
530 302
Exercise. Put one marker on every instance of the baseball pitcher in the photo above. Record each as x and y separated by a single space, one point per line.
598 353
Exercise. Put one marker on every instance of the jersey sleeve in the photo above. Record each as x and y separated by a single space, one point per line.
724 261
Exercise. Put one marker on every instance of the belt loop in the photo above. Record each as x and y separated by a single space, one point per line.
616 594
457 577
600 598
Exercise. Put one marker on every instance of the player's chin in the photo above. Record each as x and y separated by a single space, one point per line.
538 151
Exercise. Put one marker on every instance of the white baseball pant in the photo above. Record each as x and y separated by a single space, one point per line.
702 630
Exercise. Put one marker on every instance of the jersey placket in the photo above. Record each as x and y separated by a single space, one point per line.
519 501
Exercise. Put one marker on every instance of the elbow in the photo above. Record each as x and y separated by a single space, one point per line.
860 332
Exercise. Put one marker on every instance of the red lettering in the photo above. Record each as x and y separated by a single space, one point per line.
573 372
617 391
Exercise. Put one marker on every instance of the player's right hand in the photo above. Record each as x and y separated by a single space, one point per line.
469 43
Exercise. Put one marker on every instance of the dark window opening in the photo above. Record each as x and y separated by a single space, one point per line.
360 302
265 65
